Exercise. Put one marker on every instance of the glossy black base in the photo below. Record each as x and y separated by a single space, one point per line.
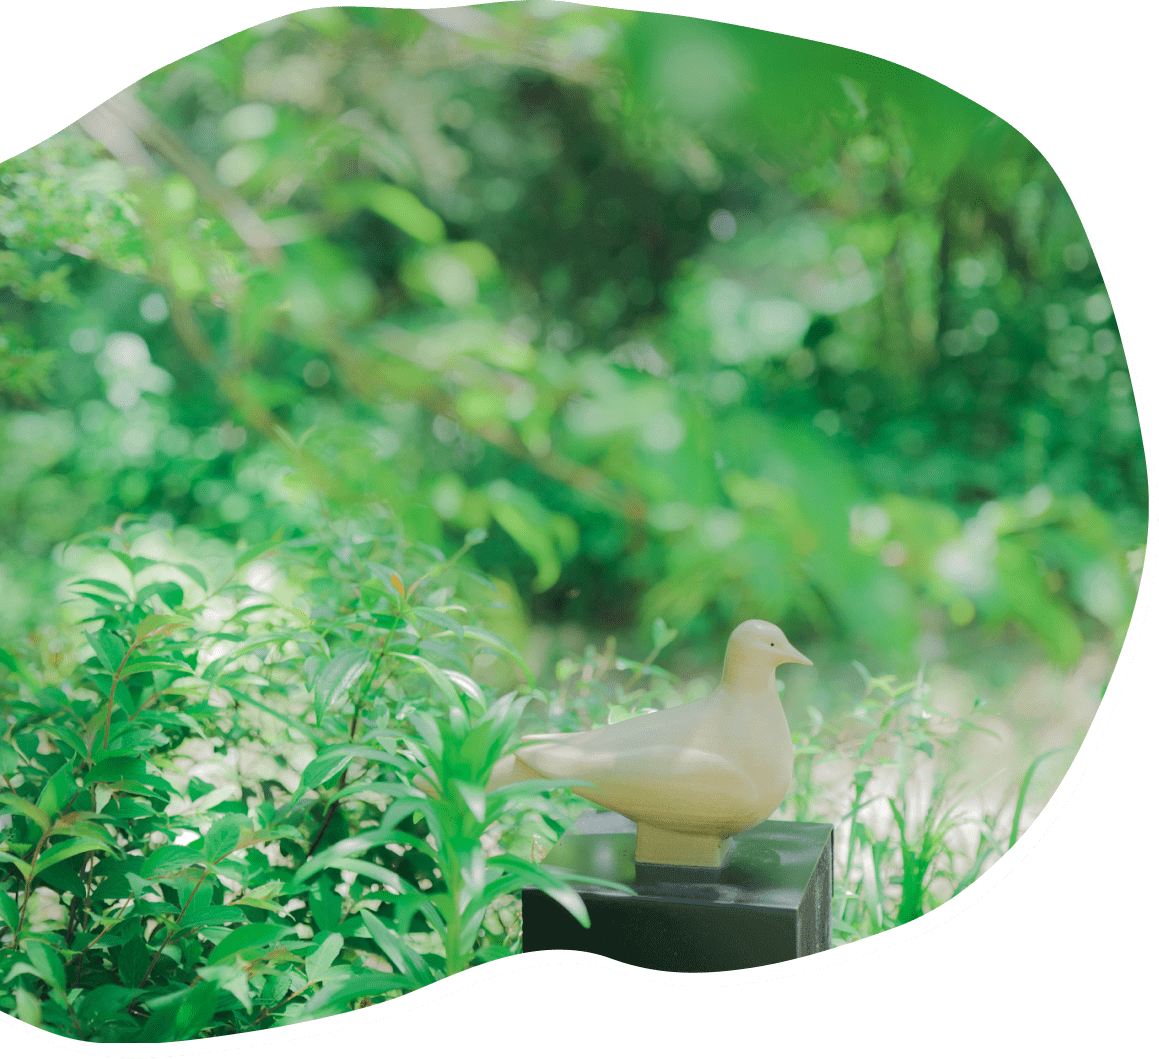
770 901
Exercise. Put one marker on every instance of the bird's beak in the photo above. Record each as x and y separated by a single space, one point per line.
793 655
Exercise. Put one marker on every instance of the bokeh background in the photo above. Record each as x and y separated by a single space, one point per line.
700 323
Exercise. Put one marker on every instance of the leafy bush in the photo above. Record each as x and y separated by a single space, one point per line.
213 823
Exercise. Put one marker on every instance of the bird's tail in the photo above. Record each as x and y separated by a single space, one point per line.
510 769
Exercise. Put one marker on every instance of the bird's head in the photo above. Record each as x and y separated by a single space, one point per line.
762 641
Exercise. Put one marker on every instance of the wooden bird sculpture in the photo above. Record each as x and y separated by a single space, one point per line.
691 776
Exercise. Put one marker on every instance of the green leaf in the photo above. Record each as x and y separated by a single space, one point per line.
337 676
9 913
526 523
114 768
461 680
18 667
27 1007
152 623
257 550
367 840
104 586
233 979
429 733
133 961
60 735
662 636
48 966
404 959
1022 791
155 664
338 994
475 797
167 860
9 759
553 882
325 905
199 788
22 866
396 205
322 769
319 961
213 916
391 790
195 1011
193 573
223 836
109 648
474 632
436 674
443 621
371 871
57 791
169 592
248 941
25 808
65 850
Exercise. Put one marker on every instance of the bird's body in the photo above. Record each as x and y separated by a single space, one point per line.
690 776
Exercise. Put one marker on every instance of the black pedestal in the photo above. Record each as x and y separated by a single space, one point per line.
770 901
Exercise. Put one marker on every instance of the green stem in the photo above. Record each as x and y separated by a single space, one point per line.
174 930
113 693
332 808
28 884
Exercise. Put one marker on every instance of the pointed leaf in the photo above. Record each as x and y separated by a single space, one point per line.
463 681
9 914
501 646
213 916
337 676
436 674
338 994
223 836
153 623
322 957
25 808
155 664
475 797
22 866
248 940
64 850
55 793
167 860
169 592
257 550
404 959
193 573
109 648
443 621
104 586
47 964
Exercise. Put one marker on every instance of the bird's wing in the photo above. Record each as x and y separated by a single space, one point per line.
649 780
671 726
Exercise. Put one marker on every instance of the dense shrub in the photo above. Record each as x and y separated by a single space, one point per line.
211 818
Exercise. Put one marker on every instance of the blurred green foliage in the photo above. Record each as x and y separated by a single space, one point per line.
701 322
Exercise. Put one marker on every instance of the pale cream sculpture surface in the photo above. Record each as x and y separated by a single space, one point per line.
691 776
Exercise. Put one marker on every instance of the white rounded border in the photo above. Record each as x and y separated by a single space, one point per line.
802 965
